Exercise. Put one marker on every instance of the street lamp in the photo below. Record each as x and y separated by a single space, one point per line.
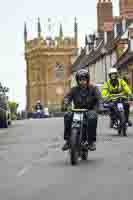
104 52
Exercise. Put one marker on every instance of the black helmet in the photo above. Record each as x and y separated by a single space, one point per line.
82 74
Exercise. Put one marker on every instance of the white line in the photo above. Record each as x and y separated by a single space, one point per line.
23 171
27 168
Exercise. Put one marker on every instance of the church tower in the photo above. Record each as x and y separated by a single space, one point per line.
104 13
48 62
126 8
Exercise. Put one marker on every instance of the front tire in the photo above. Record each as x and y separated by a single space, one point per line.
122 130
74 146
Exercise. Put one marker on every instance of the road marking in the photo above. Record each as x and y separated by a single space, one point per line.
27 168
23 171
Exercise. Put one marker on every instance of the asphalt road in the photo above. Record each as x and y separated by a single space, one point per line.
33 167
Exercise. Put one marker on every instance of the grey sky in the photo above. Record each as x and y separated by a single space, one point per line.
14 13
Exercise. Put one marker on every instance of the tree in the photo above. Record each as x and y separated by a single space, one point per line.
3 89
13 108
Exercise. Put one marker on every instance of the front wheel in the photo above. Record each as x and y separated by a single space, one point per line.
74 146
122 129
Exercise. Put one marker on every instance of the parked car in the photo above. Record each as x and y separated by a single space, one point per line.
37 114
5 113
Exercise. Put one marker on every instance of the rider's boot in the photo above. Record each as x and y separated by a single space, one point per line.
129 123
92 146
66 146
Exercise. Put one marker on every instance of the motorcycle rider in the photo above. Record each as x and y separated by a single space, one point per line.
114 86
83 96
38 106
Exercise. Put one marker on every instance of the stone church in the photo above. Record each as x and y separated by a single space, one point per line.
48 65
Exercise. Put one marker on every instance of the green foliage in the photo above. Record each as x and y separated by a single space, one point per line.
3 89
13 108
13 116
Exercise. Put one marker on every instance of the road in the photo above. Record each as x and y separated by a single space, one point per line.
33 167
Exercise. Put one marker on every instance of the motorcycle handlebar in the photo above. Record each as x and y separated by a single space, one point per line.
115 98
79 110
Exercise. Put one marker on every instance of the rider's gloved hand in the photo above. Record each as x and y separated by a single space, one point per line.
65 105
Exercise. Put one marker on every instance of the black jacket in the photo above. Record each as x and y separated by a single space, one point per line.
83 98
38 107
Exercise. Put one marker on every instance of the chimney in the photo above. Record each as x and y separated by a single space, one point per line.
126 8
104 13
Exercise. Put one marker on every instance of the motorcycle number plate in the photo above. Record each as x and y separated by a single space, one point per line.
38 111
120 106
78 116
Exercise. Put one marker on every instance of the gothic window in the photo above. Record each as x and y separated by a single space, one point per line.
36 75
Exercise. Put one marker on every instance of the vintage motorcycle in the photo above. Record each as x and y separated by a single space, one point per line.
78 136
37 114
116 104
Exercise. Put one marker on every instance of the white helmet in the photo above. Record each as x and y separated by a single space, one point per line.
113 74
113 70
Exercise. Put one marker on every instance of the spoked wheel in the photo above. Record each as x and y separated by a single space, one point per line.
74 154
122 129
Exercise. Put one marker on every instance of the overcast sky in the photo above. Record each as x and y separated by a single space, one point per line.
14 13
